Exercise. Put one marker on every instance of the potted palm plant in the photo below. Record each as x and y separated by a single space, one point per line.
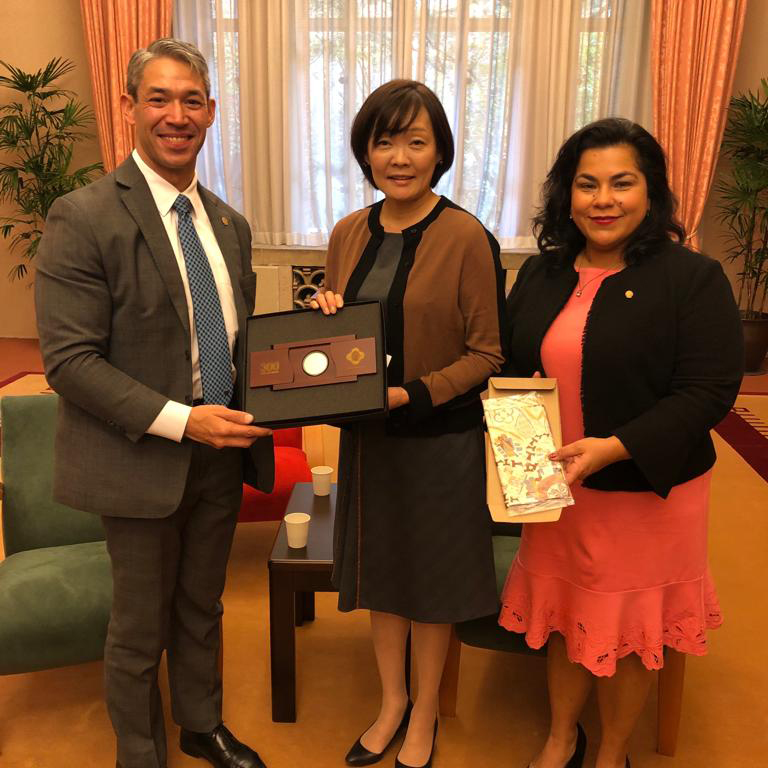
38 132
743 209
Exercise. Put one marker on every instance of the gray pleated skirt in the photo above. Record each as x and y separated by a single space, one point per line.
413 532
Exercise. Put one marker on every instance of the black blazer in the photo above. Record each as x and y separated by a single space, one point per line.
662 360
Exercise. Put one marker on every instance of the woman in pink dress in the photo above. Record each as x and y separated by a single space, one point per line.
643 336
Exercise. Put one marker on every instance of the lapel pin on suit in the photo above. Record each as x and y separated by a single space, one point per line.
629 294
225 220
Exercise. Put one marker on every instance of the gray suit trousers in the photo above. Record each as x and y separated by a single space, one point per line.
168 576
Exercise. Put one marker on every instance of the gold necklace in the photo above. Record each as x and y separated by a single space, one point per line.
580 288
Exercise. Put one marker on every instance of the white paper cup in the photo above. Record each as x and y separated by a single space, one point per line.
297 529
321 480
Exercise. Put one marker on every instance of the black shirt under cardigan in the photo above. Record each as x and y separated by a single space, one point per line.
662 360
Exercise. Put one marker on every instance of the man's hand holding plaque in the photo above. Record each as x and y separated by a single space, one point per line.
315 367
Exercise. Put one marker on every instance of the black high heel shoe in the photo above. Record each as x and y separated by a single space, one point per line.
428 764
359 755
577 758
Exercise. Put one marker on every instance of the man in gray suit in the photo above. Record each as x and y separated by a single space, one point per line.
143 286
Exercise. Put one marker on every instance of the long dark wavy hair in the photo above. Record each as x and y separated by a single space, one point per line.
557 235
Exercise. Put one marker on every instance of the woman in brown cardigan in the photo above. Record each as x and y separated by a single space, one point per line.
413 534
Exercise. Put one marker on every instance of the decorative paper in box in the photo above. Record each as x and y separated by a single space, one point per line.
304 367
523 420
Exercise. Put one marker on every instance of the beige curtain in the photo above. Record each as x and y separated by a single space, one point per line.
114 29
515 76
694 50
270 180
212 26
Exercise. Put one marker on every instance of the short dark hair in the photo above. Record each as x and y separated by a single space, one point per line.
560 238
171 48
391 108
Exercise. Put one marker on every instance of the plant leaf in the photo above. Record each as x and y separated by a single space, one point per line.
38 130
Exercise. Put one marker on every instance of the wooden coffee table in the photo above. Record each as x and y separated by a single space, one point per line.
294 577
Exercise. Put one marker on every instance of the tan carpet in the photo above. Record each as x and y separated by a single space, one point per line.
758 405
756 383
57 718
25 384
19 355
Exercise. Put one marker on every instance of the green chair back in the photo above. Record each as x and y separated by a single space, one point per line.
31 518
485 632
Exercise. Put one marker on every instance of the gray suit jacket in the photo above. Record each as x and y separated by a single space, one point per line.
115 338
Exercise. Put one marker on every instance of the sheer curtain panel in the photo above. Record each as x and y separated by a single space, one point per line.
212 26
515 76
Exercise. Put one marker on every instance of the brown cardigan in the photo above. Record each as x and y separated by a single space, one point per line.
445 311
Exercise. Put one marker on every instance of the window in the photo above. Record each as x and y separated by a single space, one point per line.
515 77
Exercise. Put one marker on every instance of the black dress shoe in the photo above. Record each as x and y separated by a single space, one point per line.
428 764
577 758
220 748
359 755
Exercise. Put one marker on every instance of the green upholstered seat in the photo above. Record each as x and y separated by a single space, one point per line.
55 583
31 518
504 551
55 606
485 632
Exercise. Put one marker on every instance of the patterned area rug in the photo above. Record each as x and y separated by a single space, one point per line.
745 428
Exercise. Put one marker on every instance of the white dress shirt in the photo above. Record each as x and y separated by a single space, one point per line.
172 419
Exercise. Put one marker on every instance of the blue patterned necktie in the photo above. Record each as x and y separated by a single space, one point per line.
212 343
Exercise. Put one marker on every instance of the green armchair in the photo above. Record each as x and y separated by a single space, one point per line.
55 581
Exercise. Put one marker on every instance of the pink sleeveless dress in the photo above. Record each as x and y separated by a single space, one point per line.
619 572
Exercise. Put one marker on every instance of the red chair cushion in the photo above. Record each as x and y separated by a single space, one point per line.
291 467
288 437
